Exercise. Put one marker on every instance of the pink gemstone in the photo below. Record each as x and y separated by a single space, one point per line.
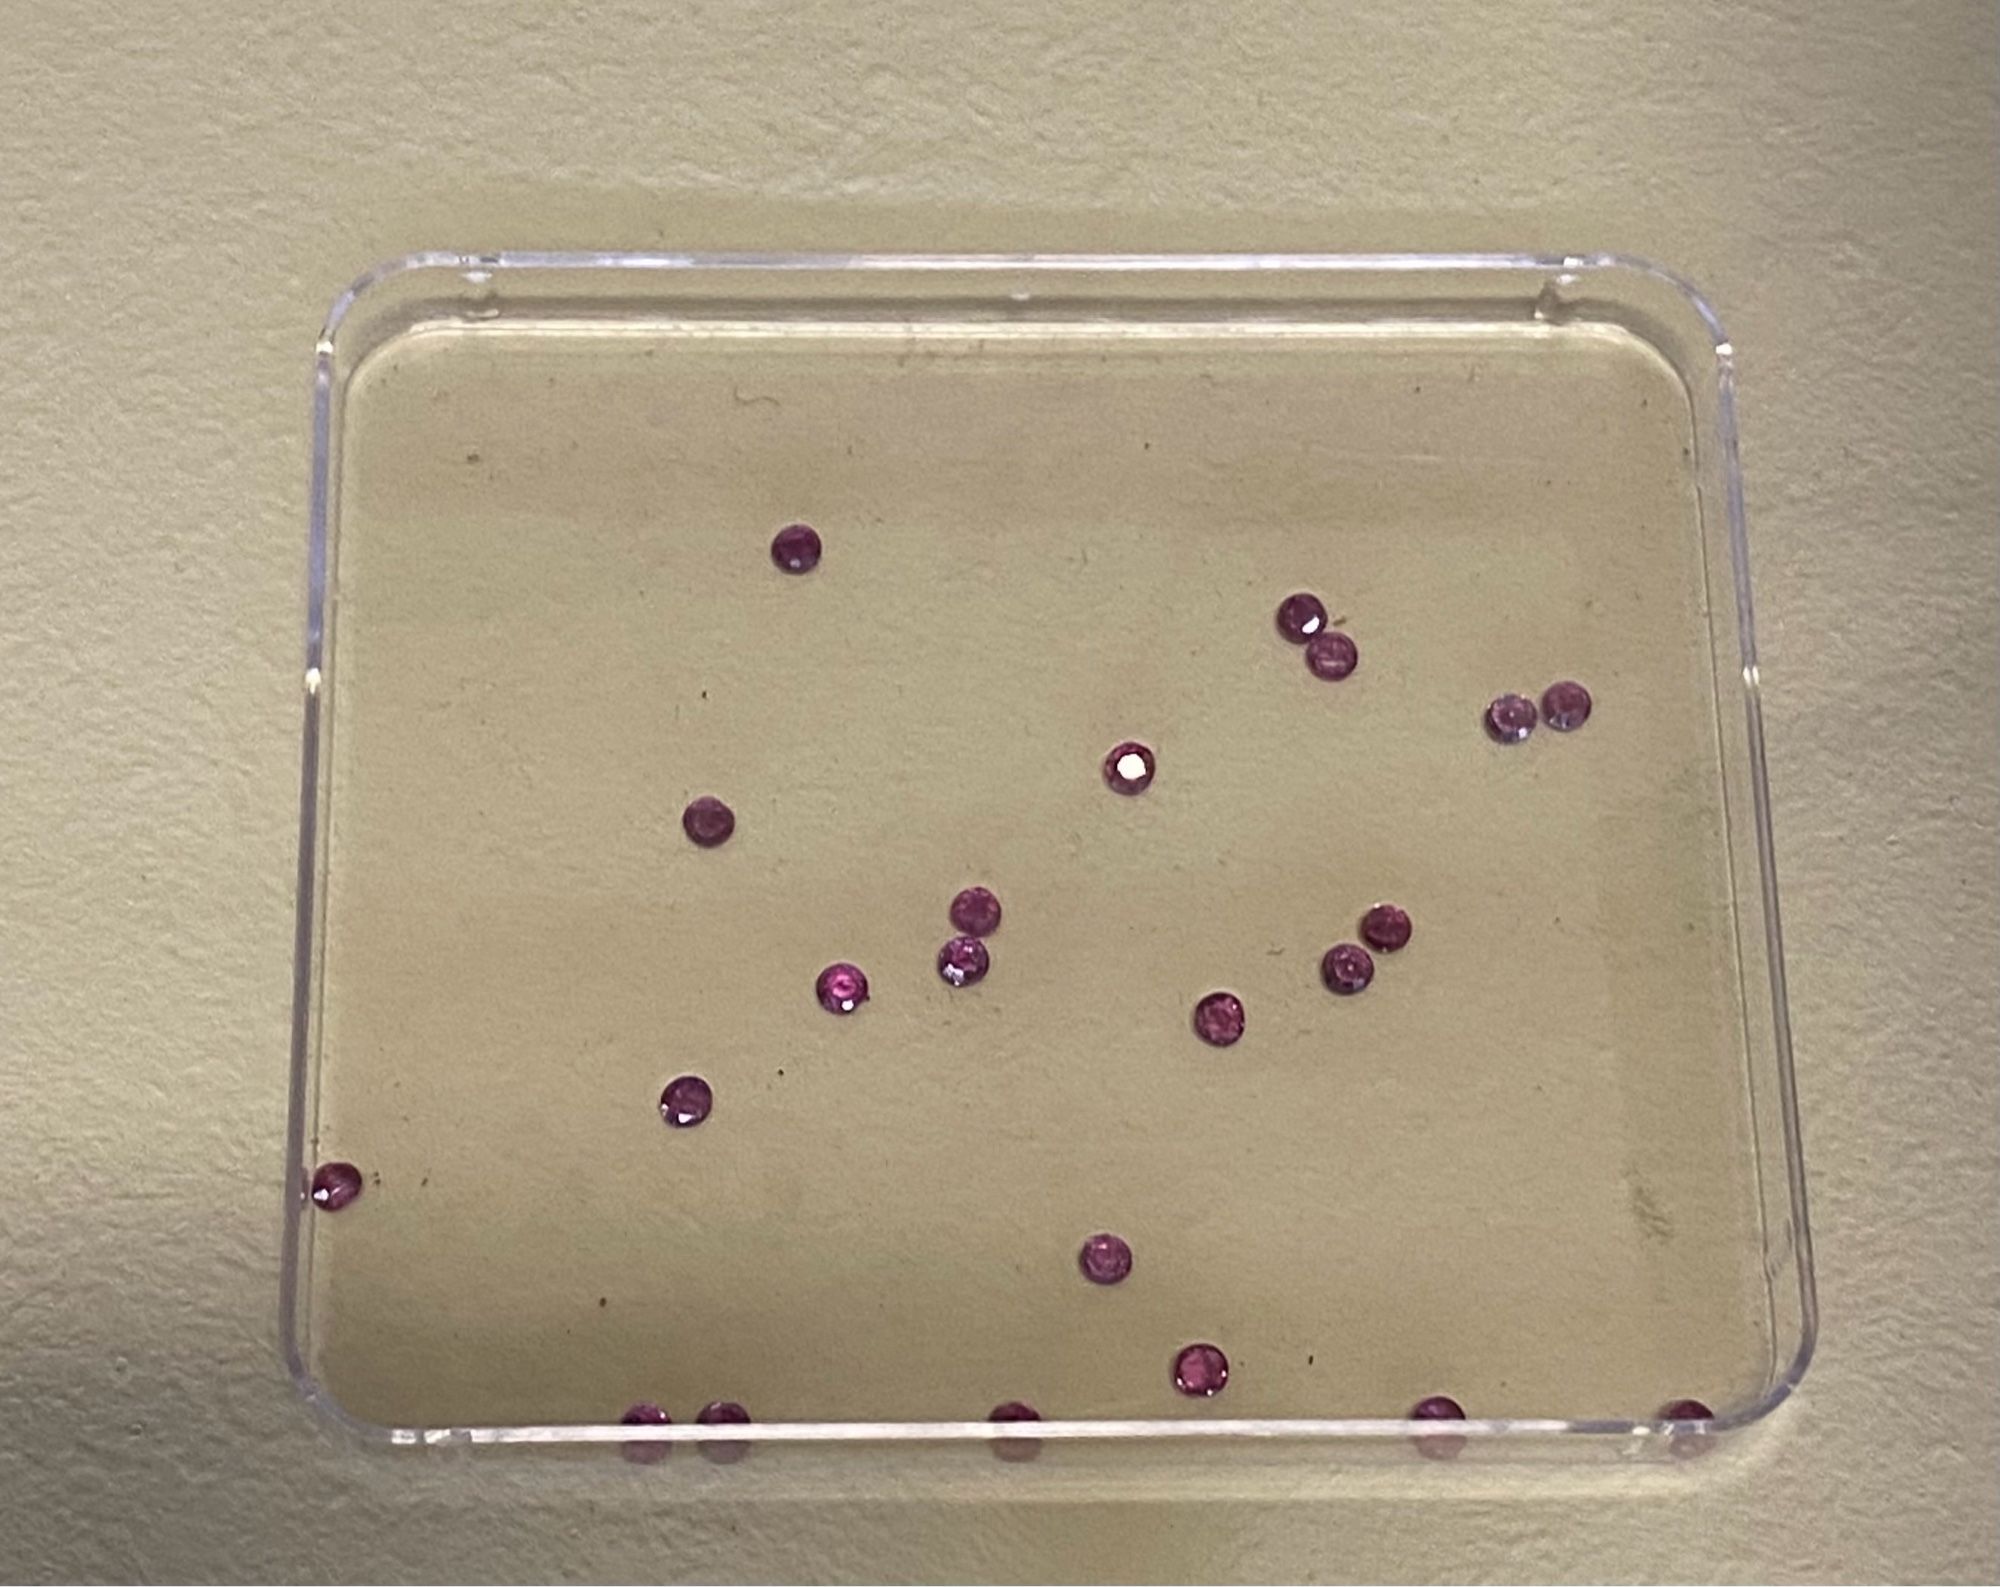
842 988
1218 1019
1684 1442
686 1101
1301 616
1438 1408
645 1415
1105 1259
976 912
795 548
1331 655
1347 968
1386 928
1201 1371
1128 769
708 821
1015 1448
1566 706
723 1413
962 961
334 1185
1511 718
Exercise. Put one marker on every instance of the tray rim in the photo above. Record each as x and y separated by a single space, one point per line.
478 269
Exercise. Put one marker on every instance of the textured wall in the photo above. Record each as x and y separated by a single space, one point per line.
181 193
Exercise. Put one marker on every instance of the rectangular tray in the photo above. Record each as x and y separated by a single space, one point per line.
1547 1163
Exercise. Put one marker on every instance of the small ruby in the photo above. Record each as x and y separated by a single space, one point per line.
646 1415
1511 718
1015 1448
1566 706
1128 769
1218 1019
1386 928
723 1413
842 988
686 1101
334 1185
1201 1371
1105 1259
708 821
976 912
1347 968
1684 1443
963 961
796 548
1438 1408
1331 655
1301 616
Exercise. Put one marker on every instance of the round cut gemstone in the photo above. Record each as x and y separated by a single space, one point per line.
1511 718
1566 705
842 988
1128 769
1301 616
962 961
1105 1259
1201 1371
1218 1019
723 1413
1331 655
1386 928
646 1415
686 1101
1438 1408
1347 968
796 548
334 1185
976 912
708 821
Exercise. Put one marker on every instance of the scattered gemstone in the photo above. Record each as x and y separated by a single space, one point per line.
963 961
1439 1408
1129 768
1218 1019
334 1185
1685 1443
1016 1448
1511 718
1105 1259
1386 928
1301 616
1566 706
796 548
1347 968
976 912
708 821
1331 655
1201 1371
686 1101
645 1415
723 1413
842 988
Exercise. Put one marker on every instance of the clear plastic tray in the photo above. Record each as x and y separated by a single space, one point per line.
1547 1164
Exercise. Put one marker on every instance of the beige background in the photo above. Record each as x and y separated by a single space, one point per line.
179 197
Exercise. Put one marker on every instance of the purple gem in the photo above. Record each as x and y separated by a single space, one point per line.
1331 655
1015 1448
646 1415
686 1101
1218 1019
795 548
1201 1371
1566 706
708 821
334 1185
1684 1443
1128 769
723 1413
1301 616
1347 968
962 961
842 988
1105 1259
1439 1408
1511 718
976 912
1386 928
